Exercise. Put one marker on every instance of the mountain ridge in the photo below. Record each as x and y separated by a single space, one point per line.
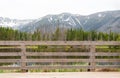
102 21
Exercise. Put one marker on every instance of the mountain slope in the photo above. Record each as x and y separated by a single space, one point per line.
7 22
102 21
51 22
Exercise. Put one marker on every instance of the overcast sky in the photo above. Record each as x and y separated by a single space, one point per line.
31 9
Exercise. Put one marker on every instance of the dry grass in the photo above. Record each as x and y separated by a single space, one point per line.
107 70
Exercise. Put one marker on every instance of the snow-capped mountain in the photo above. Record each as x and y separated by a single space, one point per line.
51 22
13 23
102 21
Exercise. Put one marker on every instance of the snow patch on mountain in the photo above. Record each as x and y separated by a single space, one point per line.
79 22
8 24
13 23
73 22
67 19
99 15
50 19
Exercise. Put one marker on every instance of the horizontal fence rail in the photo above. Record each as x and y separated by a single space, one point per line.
60 42
27 55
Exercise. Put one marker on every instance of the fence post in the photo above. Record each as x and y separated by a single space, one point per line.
23 58
92 57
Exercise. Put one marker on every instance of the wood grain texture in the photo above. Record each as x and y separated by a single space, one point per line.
90 60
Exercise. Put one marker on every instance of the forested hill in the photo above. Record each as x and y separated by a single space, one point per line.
59 34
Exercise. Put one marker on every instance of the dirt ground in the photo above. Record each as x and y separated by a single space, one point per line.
62 75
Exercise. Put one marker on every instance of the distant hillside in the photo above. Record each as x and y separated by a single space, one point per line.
102 21
14 23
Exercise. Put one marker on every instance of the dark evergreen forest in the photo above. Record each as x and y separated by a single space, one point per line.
59 34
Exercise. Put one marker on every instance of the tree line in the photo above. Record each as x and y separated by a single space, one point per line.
58 34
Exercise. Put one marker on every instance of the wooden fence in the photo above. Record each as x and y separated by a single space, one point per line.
57 60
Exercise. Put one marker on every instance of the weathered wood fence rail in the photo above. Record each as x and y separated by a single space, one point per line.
50 63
